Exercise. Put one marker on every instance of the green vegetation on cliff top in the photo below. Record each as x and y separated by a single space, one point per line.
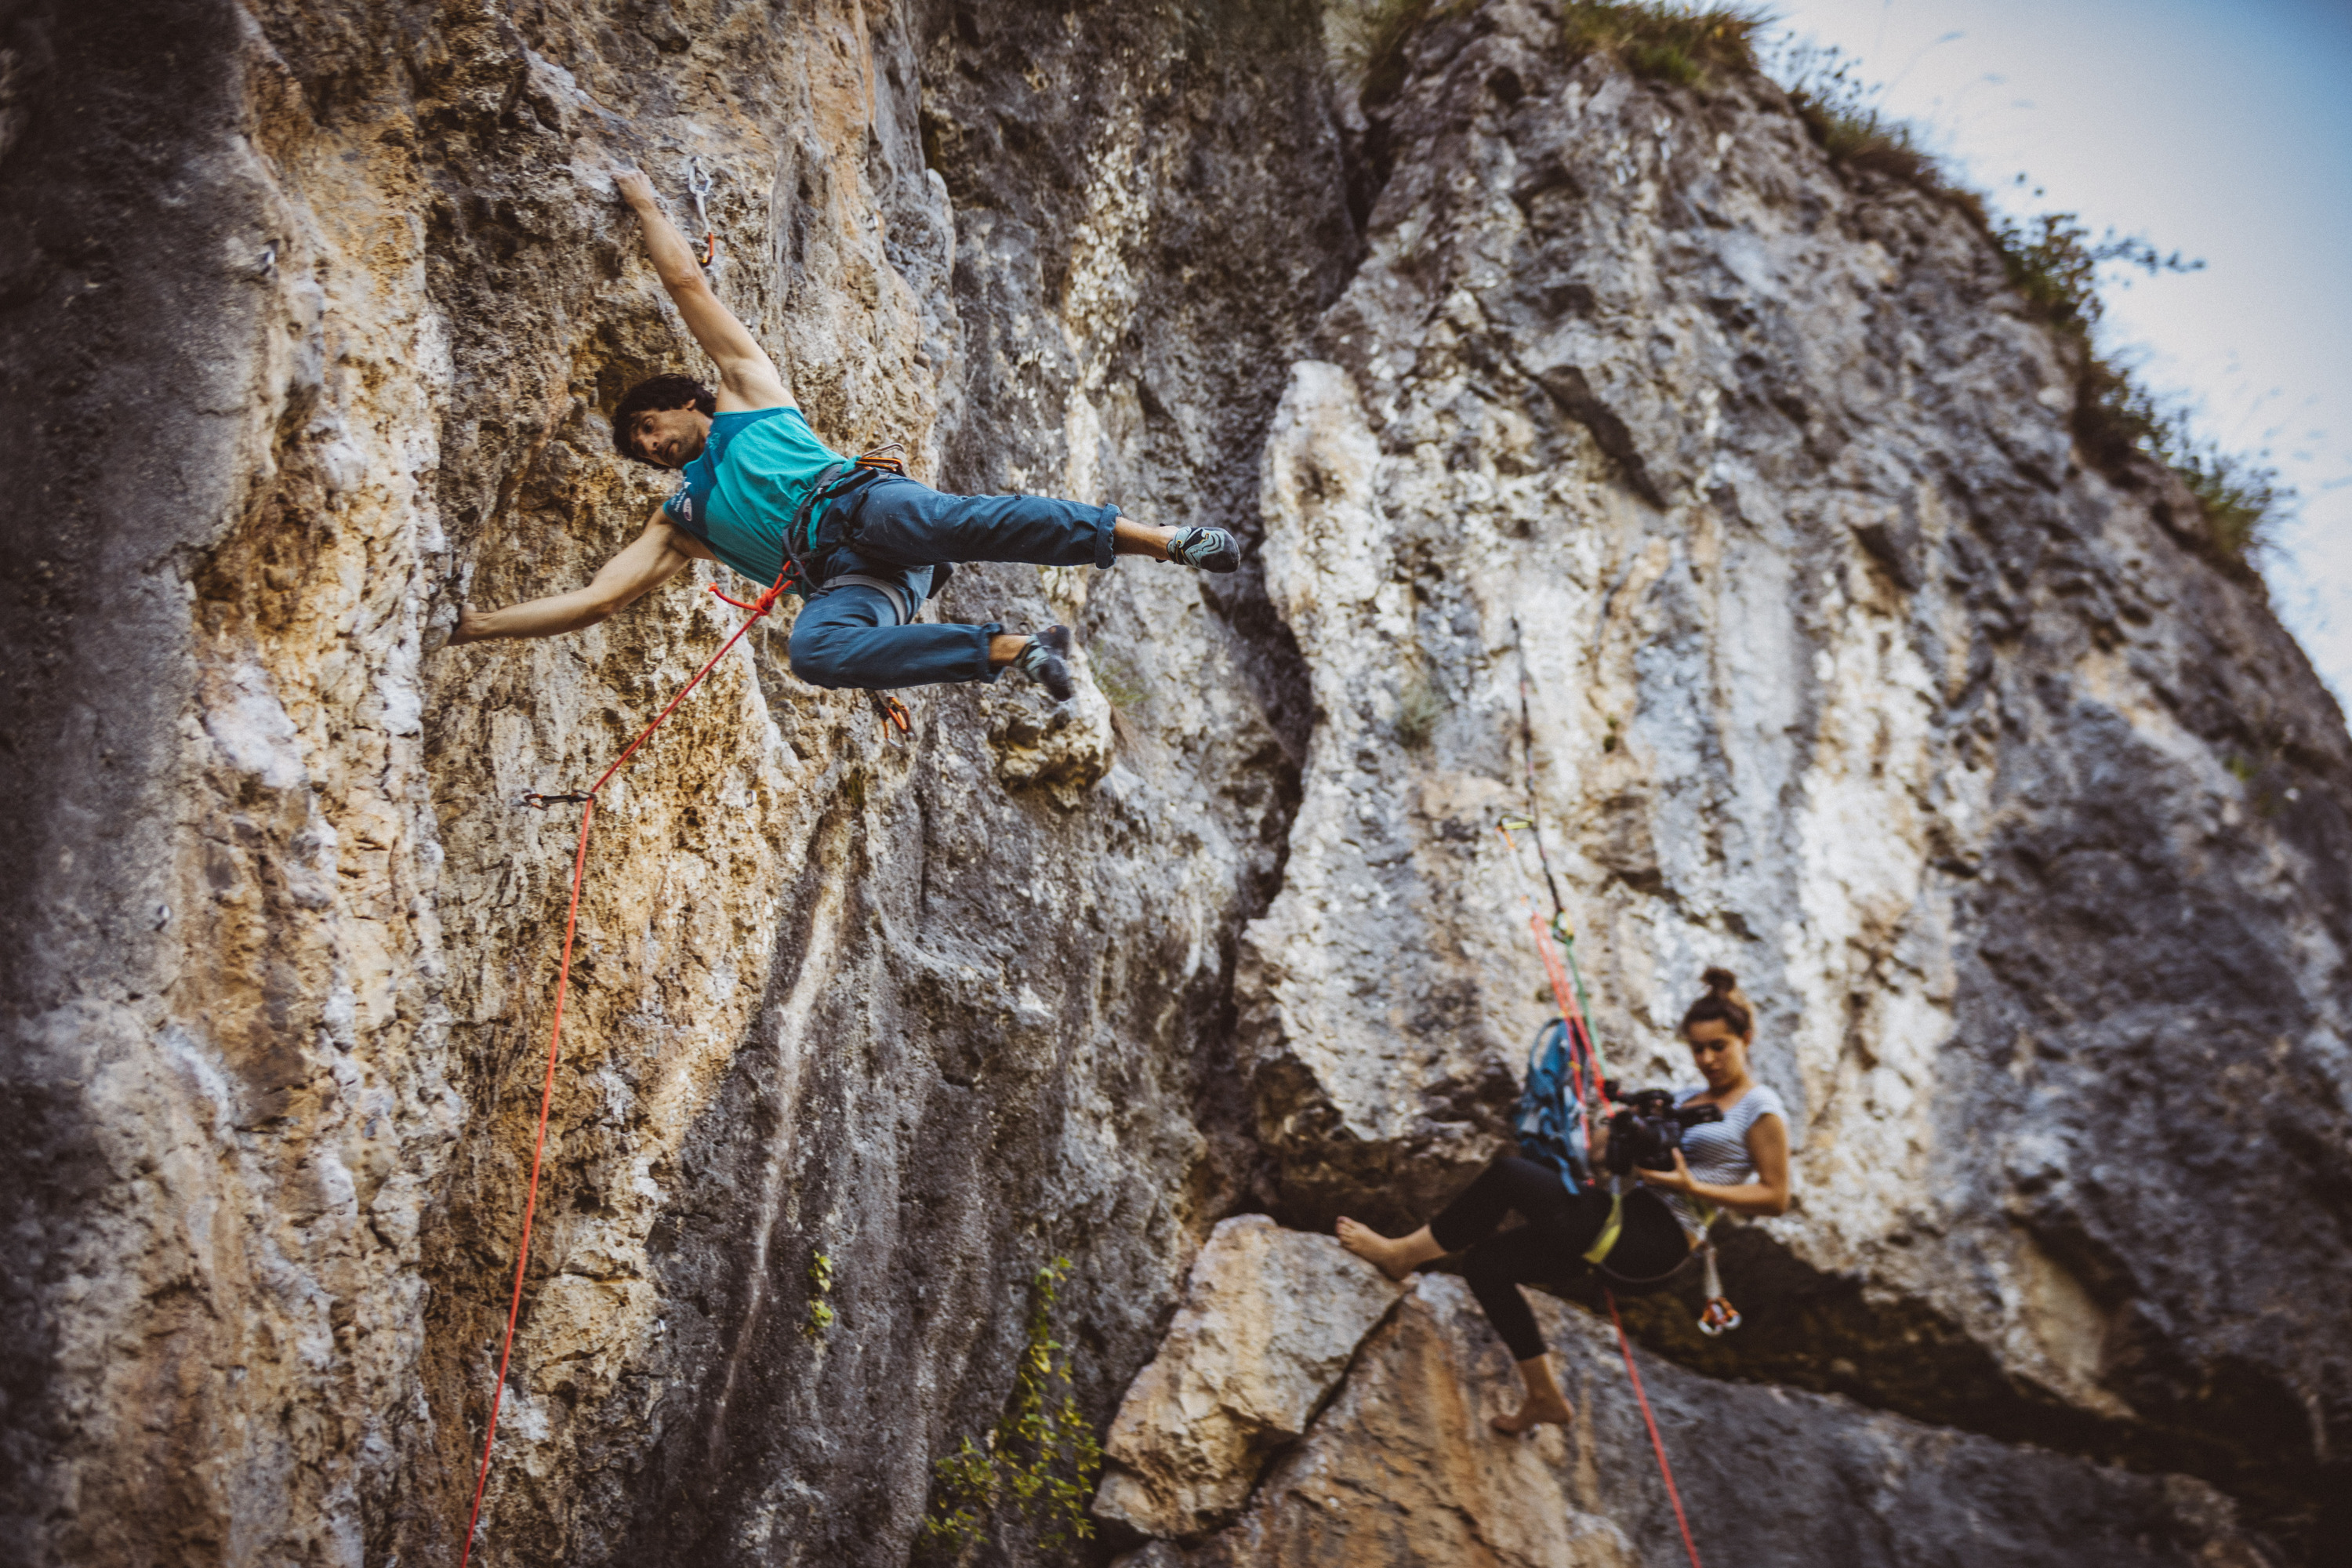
2051 260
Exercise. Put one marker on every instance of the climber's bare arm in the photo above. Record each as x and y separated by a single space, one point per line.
746 376
660 553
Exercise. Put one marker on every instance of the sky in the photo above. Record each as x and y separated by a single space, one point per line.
2222 128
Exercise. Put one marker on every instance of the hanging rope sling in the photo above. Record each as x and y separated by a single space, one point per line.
787 581
1556 946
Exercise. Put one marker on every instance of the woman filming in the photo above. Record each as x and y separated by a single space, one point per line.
1740 1163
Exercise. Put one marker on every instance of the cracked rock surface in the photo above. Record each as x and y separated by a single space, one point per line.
2021 819
1270 1320
1402 1467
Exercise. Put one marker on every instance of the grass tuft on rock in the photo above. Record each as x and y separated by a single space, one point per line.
1665 42
1840 112
1420 705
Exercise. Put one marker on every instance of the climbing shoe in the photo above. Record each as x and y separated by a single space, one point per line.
1205 550
1046 661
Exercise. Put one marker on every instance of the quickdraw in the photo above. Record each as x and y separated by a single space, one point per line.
1719 1316
699 183
538 802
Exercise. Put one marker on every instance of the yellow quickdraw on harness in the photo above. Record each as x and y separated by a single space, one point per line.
1616 1226
1608 1232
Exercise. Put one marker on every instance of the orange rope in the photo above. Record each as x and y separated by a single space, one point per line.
758 607
1656 1443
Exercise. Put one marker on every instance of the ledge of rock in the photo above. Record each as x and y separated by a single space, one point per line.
1403 1469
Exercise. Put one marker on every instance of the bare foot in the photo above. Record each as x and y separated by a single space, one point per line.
1365 1243
1535 1412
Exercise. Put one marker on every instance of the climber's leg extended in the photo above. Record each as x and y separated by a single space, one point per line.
1560 1226
897 521
1508 1184
1495 1270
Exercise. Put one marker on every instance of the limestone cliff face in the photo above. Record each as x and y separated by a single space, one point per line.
2024 824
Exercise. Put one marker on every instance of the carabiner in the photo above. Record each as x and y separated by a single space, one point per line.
891 712
699 183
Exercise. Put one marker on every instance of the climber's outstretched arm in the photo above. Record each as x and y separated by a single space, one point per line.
660 553
746 376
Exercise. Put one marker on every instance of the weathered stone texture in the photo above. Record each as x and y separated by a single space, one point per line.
1270 1320
1403 1468
2024 823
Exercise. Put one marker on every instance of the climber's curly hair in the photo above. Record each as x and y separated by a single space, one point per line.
1724 1004
654 392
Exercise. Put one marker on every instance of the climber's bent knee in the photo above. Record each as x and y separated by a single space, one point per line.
821 661
848 638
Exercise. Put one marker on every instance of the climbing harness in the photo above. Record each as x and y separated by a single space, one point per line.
587 803
815 536
698 183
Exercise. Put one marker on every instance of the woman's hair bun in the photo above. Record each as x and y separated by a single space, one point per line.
1722 1003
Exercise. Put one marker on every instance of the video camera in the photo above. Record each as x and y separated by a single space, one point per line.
1649 1128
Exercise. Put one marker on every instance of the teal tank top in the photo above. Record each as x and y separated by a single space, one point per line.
739 495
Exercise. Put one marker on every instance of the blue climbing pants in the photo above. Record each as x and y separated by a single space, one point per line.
859 633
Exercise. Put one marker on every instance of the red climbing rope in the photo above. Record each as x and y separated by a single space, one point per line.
758 607
1656 1443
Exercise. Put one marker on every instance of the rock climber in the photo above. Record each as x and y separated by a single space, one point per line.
875 544
1739 1164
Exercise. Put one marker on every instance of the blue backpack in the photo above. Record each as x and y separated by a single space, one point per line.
1550 1119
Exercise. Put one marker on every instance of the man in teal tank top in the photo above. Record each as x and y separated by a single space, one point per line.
863 545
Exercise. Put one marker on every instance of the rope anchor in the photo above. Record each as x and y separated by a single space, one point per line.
538 802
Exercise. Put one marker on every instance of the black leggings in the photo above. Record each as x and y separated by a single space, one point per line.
1550 1245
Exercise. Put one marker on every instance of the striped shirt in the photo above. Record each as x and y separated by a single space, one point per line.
1717 1152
